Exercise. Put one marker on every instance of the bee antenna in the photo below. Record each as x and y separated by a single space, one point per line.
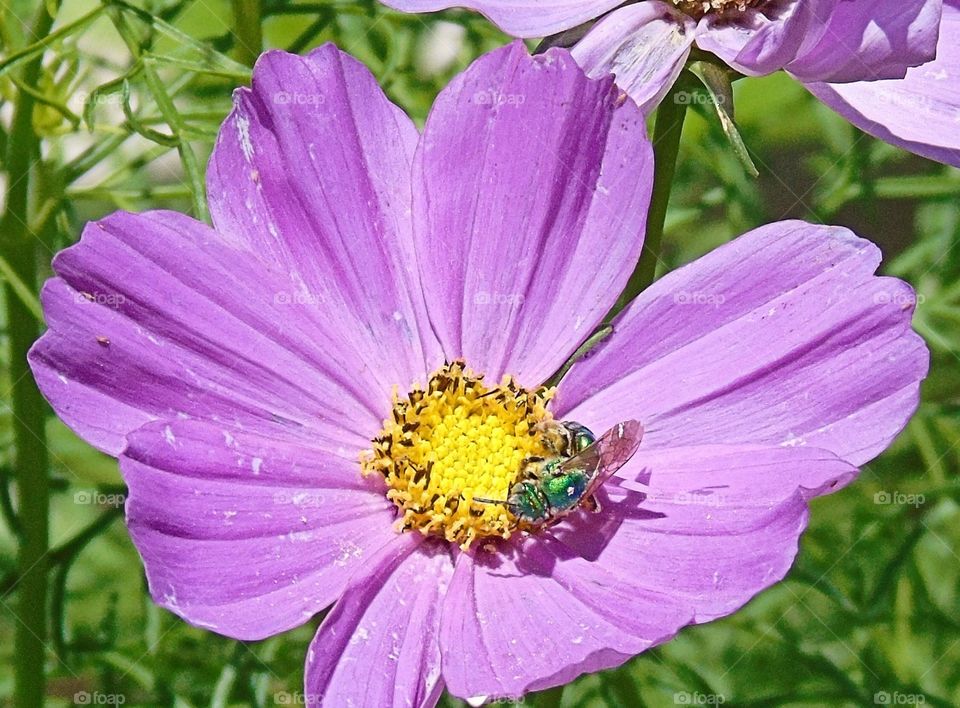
482 500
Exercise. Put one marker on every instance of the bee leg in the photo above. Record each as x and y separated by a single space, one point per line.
532 467
592 504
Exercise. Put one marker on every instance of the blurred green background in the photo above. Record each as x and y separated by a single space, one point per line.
128 100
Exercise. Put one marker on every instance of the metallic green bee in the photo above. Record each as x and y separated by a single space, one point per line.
552 488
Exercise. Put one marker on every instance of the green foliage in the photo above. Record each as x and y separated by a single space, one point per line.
127 107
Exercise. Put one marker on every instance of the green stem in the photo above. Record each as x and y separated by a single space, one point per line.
18 246
551 698
666 146
248 28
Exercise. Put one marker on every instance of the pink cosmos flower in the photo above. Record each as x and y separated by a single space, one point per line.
262 381
890 67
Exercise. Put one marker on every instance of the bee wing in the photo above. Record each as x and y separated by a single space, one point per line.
608 454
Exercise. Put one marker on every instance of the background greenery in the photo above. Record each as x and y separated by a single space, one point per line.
128 99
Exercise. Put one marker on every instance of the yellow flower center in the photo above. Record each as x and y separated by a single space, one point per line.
699 8
456 441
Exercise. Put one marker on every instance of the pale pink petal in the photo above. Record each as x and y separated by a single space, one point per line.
533 183
312 172
521 18
155 316
248 533
784 336
644 45
378 646
921 112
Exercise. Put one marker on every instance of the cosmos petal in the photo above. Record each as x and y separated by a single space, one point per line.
312 171
870 41
921 112
548 614
783 336
520 18
758 42
244 533
533 184
644 45
826 40
378 646
512 624
155 316
716 524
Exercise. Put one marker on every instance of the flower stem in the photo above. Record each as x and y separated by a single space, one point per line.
666 147
18 245
248 29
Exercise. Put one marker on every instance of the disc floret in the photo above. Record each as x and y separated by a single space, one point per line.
455 441
699 8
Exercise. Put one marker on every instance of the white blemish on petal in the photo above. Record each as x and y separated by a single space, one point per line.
577 640
169 436
243 132
255 464
348 550
793 441
394 647
170 599
62 378
299 537
397 316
